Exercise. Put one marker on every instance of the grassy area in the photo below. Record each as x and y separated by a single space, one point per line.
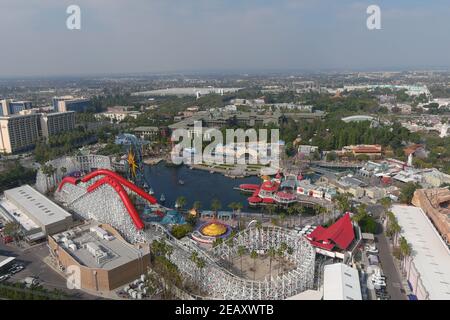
18 291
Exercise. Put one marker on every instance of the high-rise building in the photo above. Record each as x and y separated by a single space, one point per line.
9 106
57 122
19 132
69 103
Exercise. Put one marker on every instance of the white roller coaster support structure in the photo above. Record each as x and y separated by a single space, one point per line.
216 281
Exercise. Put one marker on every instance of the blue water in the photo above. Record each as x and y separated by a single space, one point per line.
198 185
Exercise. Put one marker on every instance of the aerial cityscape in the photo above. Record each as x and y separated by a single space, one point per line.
222 182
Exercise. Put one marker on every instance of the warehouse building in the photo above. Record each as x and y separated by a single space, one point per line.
427 269
38 215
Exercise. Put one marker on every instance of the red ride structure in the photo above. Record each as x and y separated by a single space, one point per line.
118 183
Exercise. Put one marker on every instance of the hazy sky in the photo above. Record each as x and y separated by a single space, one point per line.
122 36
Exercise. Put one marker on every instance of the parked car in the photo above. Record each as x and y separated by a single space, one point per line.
4 277
371 249
30 281
16 268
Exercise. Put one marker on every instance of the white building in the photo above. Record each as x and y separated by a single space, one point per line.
341 282
38 215
57 122
18 132
427 270
118 116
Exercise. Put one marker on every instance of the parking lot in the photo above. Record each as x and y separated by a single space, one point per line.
34 266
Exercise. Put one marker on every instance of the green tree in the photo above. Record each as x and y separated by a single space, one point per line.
407 192
215 206
281 250
272 254
181 202
405 250
254 255
181 230
241 251
13 229
197 205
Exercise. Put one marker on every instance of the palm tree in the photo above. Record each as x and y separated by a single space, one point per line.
241 252
282 217
361 214
194 258
254 255
215 206
280 252
393 228
217 241
321 212
197 205
232 206
291 211
63 171
47 170
239 207
343 202
201 263
271 208
405 250
230 244
272 253
274 221
386 203
396 229
51 173
301 212
181 202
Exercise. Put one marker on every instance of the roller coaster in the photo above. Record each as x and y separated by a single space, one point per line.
103 195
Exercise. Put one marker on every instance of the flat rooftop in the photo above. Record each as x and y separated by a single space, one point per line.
17 215
118 251
37 205
431 255
341 282
4 260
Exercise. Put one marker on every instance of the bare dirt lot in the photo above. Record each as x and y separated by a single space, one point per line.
259 268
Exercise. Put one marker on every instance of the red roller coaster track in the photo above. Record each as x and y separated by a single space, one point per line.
116 182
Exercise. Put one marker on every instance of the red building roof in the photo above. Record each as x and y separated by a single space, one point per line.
340 234
254 199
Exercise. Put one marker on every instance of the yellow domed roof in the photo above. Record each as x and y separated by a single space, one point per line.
214 230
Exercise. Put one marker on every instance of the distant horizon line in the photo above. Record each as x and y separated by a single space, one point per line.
229 72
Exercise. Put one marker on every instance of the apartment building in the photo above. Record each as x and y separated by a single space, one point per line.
19 132
10 107
57 122
70 103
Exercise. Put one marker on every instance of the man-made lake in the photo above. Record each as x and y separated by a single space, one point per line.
198 185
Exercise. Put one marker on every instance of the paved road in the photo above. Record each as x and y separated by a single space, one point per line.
393 280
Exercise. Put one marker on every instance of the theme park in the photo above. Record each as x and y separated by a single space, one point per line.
125 237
